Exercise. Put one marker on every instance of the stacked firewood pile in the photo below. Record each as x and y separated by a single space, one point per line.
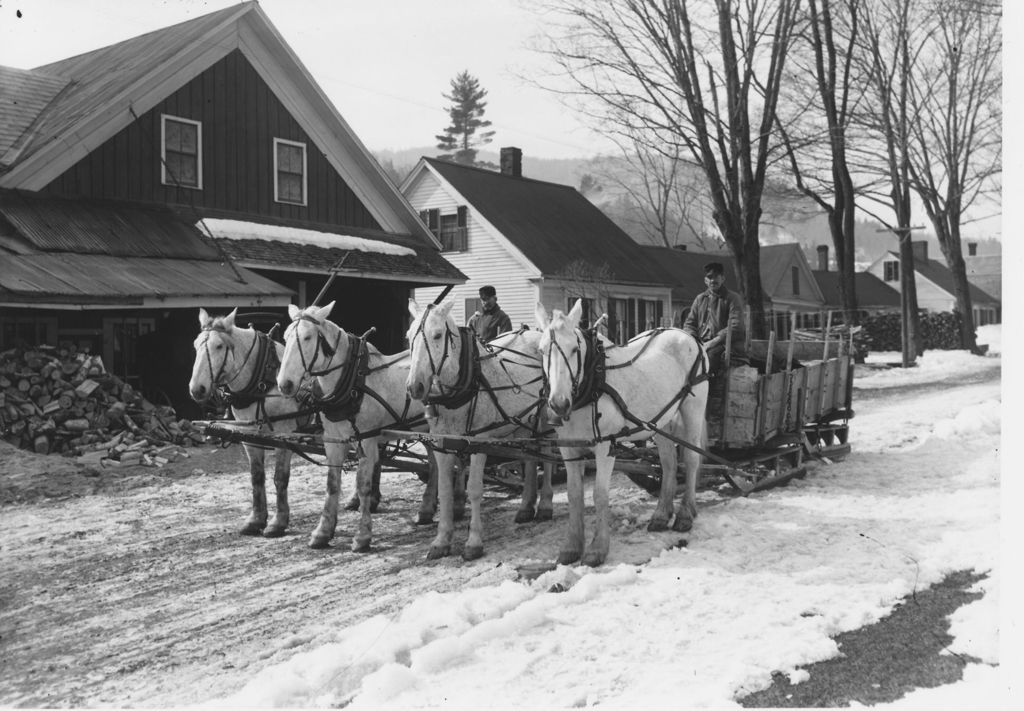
54 400
939 331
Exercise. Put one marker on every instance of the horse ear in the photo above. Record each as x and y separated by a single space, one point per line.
229 320
414 309
575 313
325 311
293 311
444 309
542 316
204 318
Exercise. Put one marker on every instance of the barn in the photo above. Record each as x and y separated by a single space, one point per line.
199 165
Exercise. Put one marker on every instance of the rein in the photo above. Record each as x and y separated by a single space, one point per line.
264 374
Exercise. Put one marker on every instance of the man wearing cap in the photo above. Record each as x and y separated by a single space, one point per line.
715 312
490 320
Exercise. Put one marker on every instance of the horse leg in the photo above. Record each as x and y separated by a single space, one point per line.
693 416
282 472
428 506
598 550
257 520
441 546
545 508
459 510
366 473
475 543
324 531
666 498
526 510
355 503
572 549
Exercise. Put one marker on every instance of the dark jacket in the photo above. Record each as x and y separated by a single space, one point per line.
712 315
489 323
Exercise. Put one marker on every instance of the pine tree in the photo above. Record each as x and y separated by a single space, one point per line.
466 111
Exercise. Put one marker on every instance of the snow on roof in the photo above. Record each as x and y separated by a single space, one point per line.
239 229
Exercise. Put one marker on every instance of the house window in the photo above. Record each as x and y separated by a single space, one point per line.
450 229
289 172
892 271
795 272
181 152
650 314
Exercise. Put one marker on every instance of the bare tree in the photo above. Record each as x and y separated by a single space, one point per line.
819 150
663 194
890 44
956 137
698 75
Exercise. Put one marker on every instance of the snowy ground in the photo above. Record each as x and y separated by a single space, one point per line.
132 589
763 585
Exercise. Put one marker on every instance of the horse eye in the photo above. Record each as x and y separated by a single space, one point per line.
437 336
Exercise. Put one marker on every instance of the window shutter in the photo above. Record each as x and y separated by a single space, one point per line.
462 215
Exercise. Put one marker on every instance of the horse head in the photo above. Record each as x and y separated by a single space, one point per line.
311 345
434 349
563 352
214 364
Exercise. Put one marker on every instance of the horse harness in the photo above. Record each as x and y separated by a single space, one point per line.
264 375
471 382
589 382
345 400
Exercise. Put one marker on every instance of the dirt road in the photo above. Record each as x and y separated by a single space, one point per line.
131 587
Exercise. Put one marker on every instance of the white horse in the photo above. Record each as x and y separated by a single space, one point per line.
244 361
656 382
363 394
475 389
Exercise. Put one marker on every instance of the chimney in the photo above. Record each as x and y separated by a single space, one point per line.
972 249
920 248
512 162
822 257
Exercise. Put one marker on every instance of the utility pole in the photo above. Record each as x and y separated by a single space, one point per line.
908 294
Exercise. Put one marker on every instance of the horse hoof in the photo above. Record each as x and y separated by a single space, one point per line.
436 552
374 505
682 525
544 515
592 560
319 542
425 518
361 545
353 504
658 524
274 532
568 557
524 515
252 529
472 552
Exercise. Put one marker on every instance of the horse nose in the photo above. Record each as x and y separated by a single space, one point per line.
286 386
198 393
559 406
416 390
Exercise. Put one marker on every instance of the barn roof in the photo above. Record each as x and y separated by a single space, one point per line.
552 225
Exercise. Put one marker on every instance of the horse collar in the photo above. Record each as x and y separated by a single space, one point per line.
467 382
347 397
592 376
264 374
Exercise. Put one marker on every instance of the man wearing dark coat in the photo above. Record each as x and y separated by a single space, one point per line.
490 320
715 312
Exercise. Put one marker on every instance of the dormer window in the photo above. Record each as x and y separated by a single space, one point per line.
289 172
450 229
181 151
891 270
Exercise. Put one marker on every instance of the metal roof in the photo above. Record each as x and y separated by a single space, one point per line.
92 279
96 227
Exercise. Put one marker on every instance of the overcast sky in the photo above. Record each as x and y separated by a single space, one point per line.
384 63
